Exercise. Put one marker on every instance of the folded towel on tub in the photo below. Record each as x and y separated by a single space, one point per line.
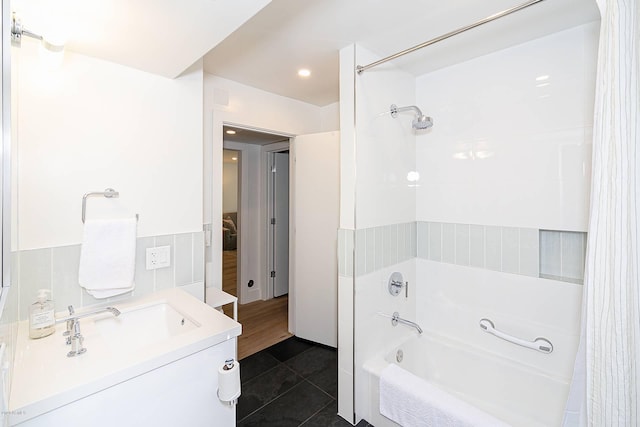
411 402
107 257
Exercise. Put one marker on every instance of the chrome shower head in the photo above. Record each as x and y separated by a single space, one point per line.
420 121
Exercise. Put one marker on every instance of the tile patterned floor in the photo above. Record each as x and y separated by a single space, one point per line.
293 383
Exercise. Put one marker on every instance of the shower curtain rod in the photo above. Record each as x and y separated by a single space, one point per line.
362 68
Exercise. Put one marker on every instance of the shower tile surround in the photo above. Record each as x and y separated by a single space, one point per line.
56 269
510 148
548 254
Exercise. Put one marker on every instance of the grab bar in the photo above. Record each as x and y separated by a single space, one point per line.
109 193
542 345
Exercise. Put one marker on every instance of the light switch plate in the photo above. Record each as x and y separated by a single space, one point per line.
158 257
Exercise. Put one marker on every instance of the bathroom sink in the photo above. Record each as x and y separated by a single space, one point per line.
168 337
144 326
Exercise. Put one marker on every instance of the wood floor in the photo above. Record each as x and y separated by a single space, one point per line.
264 323
230 272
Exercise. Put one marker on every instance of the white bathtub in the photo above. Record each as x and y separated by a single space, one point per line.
512 392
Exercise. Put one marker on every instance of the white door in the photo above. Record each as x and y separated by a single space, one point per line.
280 224
316 209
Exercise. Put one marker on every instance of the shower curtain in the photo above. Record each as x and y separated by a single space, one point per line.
605 387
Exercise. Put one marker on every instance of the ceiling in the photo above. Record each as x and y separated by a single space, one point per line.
163 37
262 43
286 35
248 136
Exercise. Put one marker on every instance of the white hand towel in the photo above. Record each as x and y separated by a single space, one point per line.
107 257
411 401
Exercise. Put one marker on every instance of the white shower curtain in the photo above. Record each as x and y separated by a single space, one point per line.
605 390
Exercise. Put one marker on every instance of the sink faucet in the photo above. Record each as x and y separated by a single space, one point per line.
395 319
73 334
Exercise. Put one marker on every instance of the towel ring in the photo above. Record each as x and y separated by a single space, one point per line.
109 193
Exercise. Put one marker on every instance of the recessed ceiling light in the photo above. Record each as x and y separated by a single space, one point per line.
231 132
234 158
303 72
542 78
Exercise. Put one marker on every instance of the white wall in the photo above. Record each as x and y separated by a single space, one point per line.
315 203
346 235
86 126
505 150
226 101
230 187
384 155
92 124
509 146
330 117
452 299
347 139
374 333
385 146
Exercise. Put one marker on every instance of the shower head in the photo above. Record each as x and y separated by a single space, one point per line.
422 122
419 122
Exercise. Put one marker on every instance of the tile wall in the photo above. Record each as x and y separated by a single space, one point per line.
511 144
507 249
57 269
562 255
377 247
557 255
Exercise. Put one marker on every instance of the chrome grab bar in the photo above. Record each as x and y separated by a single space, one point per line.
542 345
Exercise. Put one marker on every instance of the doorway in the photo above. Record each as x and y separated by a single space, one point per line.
278 201
231 167
248 259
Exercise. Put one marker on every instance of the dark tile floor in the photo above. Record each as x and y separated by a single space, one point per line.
293 383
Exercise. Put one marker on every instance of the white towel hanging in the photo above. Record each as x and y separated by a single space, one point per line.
107 257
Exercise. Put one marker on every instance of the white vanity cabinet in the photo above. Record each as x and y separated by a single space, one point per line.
181 393
165 384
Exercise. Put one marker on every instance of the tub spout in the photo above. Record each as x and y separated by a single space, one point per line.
395 319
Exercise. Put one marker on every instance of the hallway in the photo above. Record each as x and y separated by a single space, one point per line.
264 323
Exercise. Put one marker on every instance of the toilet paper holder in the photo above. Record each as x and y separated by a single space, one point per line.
229 382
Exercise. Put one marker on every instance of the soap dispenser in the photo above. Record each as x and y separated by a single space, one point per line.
42 321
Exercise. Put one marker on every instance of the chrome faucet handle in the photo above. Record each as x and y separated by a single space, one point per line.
74 337
77 341
396 283
67 333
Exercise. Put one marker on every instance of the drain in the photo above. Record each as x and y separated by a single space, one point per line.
399 356
182 322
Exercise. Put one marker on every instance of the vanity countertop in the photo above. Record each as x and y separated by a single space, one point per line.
44 378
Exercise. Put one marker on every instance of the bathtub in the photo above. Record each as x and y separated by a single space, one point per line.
510 391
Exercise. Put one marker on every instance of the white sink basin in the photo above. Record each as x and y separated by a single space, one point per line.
151 332
140 327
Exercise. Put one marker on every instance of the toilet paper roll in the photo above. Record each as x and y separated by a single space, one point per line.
229 383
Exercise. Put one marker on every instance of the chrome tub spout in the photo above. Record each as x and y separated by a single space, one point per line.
395 319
